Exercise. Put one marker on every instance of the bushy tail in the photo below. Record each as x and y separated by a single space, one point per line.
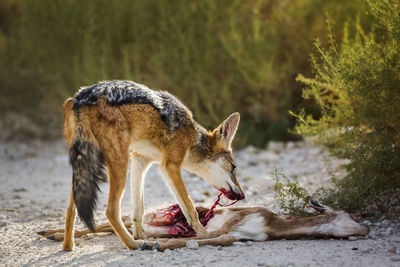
88 170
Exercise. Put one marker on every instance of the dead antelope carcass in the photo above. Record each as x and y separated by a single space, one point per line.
229 225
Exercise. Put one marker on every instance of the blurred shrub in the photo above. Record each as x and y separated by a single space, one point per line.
217 56
357 86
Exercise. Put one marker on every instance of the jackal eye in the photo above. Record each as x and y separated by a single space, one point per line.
233 169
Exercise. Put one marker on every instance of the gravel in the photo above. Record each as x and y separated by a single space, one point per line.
35 185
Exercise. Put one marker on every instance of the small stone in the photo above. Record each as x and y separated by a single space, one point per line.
197 196
239 244
367 223
3 223
192 244
249 243
387 232
378 214
366 251
352 238
385 223
393 250
395 258
20 190
354 248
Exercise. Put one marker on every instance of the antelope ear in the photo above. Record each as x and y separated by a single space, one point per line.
315 204
226 131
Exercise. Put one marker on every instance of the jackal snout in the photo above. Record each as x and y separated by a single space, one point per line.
233 193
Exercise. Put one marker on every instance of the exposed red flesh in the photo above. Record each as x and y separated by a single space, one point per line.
178 225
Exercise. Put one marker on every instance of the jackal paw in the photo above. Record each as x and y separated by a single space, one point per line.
139 234
134 244
68 246
201 231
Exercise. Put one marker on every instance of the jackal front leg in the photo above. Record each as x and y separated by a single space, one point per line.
139 166
171 173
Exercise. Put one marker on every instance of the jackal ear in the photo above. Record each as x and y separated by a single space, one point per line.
227 130
315 204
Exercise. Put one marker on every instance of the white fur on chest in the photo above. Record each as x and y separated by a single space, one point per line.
145 148
252 227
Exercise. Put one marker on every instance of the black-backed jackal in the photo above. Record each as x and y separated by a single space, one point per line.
104 122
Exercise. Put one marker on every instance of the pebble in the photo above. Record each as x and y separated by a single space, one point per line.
385 223
239 244
352 238
366 251
387 232
192 244
3 223
367 223
394 250
378 215
396 239
396 258
197 196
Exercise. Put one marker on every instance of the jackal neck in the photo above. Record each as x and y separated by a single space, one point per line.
202 147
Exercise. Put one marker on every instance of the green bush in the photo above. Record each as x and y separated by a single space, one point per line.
357 86
217 56
291 197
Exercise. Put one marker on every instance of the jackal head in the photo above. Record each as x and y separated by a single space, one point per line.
211 158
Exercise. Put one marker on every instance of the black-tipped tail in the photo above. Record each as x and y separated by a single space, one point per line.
88 170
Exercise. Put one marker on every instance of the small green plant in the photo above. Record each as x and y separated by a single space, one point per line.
291 196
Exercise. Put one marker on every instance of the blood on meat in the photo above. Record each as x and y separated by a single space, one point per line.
173 217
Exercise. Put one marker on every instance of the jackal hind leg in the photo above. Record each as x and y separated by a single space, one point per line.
69 243
117 161
139 166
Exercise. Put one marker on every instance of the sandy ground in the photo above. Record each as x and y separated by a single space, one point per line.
35 185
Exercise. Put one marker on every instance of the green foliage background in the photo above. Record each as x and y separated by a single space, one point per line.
217 56
357 85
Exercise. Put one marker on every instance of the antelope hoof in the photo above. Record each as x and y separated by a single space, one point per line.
145 246
41 232
157 247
